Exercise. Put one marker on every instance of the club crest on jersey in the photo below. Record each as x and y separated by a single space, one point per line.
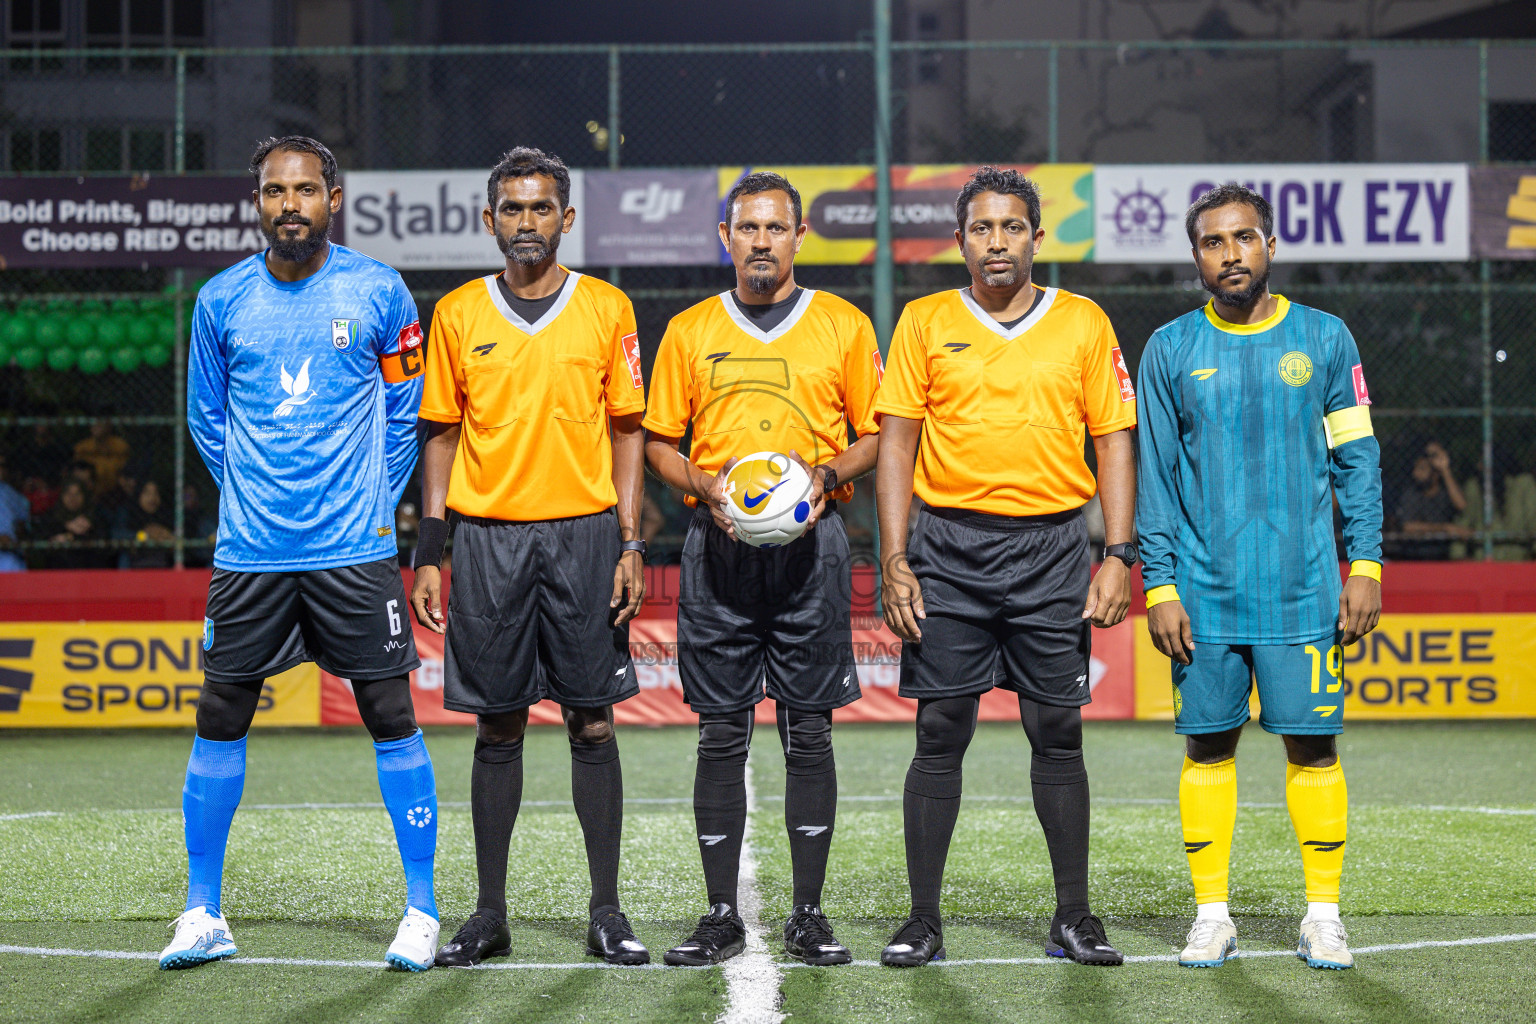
207 634
345 333
1295 368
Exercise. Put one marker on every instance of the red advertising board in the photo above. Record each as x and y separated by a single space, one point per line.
653 645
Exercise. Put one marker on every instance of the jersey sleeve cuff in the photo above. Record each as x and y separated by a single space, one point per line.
1123 423
1161 595
627 409
657 426
437 416
1365 567
887 409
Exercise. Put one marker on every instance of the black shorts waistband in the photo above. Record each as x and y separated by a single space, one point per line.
486 521
701 511
1002 524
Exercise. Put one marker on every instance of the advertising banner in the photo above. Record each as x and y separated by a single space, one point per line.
1504 213
653 646
429 220
839 205
127 222
1411 666
110 674
658 218
1323 212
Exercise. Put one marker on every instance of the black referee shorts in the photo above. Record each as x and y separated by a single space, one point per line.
776 618
528 616
1004 598
353 621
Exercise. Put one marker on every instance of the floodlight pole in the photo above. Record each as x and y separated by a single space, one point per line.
885 274
178 362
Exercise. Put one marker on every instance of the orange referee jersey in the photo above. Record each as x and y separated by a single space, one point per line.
1004 410
797 386
534 399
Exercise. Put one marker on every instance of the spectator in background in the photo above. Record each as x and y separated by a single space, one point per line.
1429 507
148 522
1514 499
85 473
15 514
117 505
39 461
73 521
106 452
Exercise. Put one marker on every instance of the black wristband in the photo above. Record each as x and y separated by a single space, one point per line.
431 538
632 545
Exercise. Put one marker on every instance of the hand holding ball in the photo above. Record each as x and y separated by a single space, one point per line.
768 499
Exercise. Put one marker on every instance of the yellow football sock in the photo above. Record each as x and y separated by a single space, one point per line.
1319 805
1208 810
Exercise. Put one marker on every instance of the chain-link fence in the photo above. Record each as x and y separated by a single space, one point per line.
93 431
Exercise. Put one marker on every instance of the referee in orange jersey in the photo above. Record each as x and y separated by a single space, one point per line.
984 408
532 406
767 366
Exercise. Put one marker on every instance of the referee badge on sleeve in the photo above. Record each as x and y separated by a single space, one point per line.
207 634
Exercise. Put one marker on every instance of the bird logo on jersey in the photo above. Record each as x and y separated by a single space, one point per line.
1295 368
298 389
750 483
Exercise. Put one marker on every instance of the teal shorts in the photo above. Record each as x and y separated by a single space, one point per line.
1301 688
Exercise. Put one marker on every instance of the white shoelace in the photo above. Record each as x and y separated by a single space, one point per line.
1331 934
1204 932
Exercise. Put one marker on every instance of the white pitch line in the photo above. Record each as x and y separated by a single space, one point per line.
1044 961
1001 798
752 979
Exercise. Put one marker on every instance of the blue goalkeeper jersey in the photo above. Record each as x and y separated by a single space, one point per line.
1243 430
302 399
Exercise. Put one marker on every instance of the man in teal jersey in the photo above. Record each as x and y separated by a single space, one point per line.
1254 417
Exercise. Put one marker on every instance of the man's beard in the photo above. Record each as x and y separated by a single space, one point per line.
547 245
1257 283
762 279
303 248
1018 271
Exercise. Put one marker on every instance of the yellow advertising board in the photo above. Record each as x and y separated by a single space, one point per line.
1411 666
110 674
838 203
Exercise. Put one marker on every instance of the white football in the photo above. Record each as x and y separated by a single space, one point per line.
768 499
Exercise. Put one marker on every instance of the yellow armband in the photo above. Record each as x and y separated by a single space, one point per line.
1159 595
1366 568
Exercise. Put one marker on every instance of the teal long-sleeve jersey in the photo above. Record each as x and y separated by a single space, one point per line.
1244 427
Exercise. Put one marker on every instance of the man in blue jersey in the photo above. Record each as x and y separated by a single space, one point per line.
303 382
1254 417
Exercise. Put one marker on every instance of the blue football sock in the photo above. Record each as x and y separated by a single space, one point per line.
410 796
215 780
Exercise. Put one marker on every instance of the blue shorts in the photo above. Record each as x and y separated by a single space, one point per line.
1301 688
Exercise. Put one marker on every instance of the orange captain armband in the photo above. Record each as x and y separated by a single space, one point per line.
406 362
1365 567
1161 595
400 367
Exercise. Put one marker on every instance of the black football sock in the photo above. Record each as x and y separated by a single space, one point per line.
1059 783
720 799
931 800
597 789
810 798
495 794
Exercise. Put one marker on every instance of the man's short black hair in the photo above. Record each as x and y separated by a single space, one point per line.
295 144
525 162
1224 195
762 181
1007 183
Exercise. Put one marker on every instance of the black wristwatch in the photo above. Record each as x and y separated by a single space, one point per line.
1127 553
633 545
828 479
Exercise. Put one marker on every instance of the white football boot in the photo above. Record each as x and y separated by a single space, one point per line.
1324 944
415 943
1211 942
201 936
